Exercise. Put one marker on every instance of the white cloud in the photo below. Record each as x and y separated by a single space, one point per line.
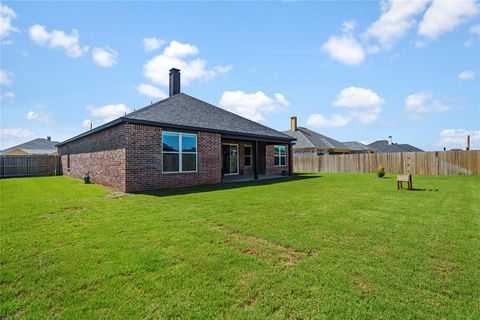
281 99
6 17
364 105
422 103
15 132
397 18
7 96
58 39
37 116
108 112
354 97
105 57
5 77
457 138
444 16
320 121
466 75
151 44
368 116
345 49
178 50
151 91
252 106
475 29
181 56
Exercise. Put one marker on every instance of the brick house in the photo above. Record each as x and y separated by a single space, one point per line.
180 141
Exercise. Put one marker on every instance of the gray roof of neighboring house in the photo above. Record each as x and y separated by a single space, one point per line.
307 138
35 146
355 145
185 112
410 148
384 146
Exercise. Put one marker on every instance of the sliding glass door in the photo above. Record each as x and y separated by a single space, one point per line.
230 159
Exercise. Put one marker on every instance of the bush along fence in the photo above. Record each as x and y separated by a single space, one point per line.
28 165
433 163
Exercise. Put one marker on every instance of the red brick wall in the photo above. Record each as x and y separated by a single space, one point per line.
102 154
144 161
270 154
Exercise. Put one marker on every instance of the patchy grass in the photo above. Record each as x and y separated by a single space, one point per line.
331 246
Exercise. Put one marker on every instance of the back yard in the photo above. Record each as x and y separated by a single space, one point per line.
314 246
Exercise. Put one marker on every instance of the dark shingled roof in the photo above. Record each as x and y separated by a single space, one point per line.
409 148
307 138
35 146
355 145
384 146
185 112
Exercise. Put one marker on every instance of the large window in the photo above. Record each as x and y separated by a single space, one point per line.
248 156
280 155
179 152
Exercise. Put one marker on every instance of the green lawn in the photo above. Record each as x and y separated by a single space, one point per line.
313 246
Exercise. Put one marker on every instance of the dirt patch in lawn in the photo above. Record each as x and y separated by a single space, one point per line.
444 268
361 283
66 210
115 195
261 248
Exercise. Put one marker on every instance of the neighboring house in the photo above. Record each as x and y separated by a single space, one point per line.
312 143
357 147
180 141
385 146
38 146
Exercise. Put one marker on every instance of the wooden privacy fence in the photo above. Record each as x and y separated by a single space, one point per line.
434 163
29 165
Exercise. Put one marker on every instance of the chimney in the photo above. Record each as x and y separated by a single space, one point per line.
293 124
49 138
468 142
174 81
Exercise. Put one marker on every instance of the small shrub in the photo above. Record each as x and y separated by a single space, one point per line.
381 172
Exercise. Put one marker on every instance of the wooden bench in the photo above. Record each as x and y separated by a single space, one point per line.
404 178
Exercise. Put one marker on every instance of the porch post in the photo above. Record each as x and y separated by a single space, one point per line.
290 159
255 161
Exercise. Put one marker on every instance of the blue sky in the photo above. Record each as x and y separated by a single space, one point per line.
350 70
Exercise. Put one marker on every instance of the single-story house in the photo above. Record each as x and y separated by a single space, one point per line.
381 146
39 146
180 141
357 147
309 142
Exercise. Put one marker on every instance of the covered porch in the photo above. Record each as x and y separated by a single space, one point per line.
245 159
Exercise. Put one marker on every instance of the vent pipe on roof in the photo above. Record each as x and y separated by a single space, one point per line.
293 124
174 81
49 138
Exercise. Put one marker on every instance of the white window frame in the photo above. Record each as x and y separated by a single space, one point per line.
180 152
280 156
238 159
245 155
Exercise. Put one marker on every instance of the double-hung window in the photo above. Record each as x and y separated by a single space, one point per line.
248 156
179 152
280 156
